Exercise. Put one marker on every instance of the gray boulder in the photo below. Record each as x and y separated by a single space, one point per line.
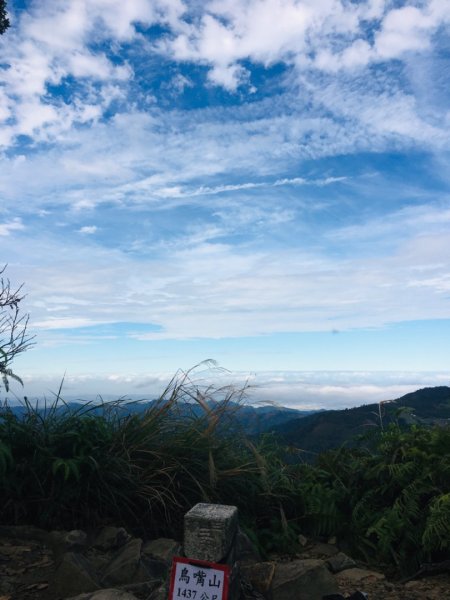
259 576
162 549
340 562
76 540
111 538
66 541
359 575
74 575
124 566
108 594
320 550
302 580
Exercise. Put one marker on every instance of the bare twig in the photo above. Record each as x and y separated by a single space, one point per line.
14 338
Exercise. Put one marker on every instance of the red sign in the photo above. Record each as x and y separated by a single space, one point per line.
198 580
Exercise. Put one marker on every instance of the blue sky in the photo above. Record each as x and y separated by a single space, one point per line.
265 183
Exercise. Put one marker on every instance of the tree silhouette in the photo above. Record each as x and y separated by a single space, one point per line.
4 21
14 338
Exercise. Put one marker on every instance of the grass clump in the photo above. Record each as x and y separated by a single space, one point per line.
99 464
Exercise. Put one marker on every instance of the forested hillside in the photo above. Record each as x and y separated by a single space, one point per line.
330 429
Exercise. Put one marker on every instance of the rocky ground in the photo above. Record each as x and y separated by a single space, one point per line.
26 567
377 586
436 587
36 565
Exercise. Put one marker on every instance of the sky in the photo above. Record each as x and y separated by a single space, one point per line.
265 183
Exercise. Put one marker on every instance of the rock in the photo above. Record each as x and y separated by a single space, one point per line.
151 568
144 589
76 540
9 552
412 585
340 562
111 538
162 548
67 541
123 567
74 575
259 575
6 587
332 540
24 532
356 575
99 560
108 594
321 550
302 580
56 541
161 593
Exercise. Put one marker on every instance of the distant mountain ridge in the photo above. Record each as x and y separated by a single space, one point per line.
332 428
253 420
309 430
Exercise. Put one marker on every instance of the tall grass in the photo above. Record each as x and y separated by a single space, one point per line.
98 464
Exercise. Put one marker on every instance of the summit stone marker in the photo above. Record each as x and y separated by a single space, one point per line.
210 532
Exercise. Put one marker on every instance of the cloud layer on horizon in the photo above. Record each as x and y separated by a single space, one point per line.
295 389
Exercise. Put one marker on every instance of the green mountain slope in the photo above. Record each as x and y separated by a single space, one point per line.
330 429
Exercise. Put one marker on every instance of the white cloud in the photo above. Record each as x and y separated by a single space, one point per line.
10 226
409 29
229 77
197 289
405 222
88 229
33 116
63 322
326 34
83 64
179 192
179 83
403 30
50 43
356 55
153 159
53 42
295 389
339 389
5 106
